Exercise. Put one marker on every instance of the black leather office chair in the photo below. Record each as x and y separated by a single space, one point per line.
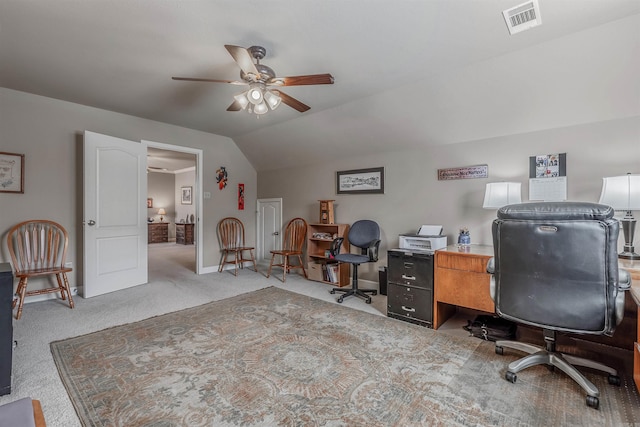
364 234
556 267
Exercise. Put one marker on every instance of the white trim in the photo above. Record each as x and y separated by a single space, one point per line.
197 195
259 232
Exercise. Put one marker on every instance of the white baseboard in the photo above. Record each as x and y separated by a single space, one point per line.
44 297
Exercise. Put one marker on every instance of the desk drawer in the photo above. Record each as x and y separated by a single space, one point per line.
457 261
464 289
410 269
410 302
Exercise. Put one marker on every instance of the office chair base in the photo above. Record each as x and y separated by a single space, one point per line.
357 292
566 363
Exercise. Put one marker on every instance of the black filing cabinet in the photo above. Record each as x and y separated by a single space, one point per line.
410 286
6 327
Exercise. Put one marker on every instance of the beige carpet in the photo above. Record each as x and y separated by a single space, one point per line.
274 357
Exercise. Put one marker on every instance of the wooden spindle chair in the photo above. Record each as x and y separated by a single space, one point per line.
231 237
294 237
39 248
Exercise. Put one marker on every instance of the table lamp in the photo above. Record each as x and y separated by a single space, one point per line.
161 212
622 193
499 194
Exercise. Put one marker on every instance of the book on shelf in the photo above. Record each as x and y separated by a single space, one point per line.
330 273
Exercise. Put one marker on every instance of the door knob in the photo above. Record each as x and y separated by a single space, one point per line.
276 233
92 222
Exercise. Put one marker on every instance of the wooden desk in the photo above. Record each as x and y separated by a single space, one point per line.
633 267
461 279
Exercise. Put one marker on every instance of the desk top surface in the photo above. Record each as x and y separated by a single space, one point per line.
484 250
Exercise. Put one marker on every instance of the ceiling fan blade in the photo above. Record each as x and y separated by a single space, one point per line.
235 106
293 103
312 79
242 56
191 79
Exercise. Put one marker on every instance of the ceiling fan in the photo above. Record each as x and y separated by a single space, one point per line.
263 84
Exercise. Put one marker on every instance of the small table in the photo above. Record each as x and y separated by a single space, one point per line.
184 234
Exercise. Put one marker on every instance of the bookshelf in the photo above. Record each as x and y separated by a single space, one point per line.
320 267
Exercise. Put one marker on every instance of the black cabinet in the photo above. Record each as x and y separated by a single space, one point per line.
6 327
410 286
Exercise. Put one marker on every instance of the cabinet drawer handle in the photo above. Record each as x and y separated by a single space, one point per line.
408 309
404 276
408 265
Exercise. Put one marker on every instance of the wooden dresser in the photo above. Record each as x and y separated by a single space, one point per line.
184 234
158 232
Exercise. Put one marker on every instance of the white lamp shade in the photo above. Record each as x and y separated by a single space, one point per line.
242 99
499 194
260 108
272 99
622 193
161 211
255 95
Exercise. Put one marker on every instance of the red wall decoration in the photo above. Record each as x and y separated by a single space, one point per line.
241 197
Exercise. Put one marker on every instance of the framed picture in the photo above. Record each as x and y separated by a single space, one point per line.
11 173
186 195
149 202
360 181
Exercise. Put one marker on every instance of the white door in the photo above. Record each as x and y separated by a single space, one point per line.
115 225
269 228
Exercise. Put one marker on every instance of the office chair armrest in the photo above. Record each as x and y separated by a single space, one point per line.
372 250
624 280
334 249
491 265
491 268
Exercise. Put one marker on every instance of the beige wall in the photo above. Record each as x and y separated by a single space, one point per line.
49 133
413 195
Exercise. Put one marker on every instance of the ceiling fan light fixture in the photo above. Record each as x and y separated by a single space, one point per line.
272 99
260 109
255 94
242 99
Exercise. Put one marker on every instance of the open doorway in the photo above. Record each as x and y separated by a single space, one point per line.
174 208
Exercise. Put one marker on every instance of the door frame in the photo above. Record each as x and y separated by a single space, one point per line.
197 194
259 231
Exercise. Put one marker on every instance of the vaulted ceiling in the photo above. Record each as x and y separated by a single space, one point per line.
407 73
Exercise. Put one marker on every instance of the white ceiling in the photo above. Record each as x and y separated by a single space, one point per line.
408 73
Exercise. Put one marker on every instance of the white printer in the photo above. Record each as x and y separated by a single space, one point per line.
428 238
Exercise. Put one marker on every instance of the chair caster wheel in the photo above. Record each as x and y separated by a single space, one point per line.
614 380
340 300
368 301
499 350
374 293
510 376
593 402
332 291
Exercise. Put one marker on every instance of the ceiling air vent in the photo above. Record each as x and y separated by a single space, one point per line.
522 17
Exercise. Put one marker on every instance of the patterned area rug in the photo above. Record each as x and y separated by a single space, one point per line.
274 357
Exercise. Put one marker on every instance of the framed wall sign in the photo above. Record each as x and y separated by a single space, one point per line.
360 181
11 173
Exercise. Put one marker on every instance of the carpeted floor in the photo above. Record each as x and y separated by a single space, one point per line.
274 357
